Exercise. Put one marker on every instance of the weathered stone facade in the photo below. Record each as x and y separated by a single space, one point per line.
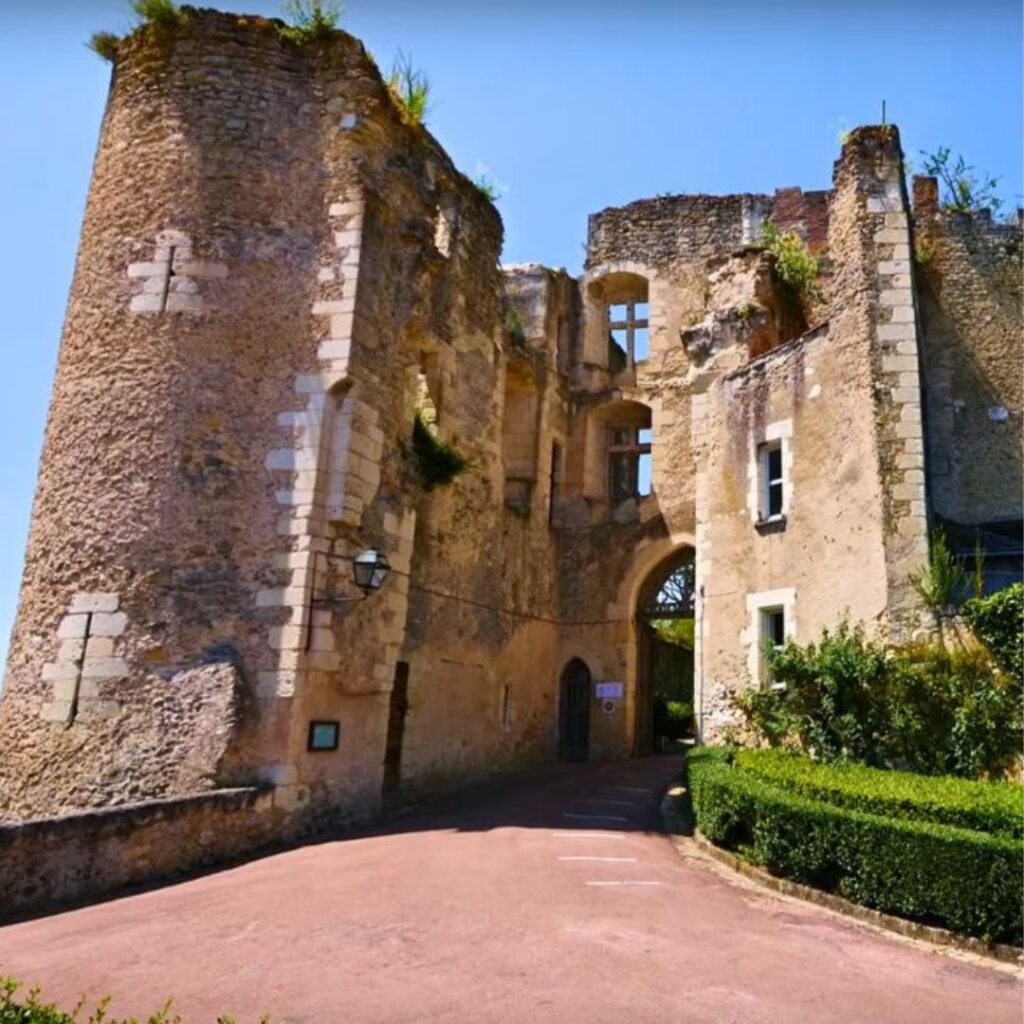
277 270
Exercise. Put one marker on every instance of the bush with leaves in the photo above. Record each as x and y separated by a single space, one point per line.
964 189
795 264
925 707
998 621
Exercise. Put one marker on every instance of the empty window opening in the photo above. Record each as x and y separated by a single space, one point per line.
773 636
520 438
428 389
628 337
770 469
629 462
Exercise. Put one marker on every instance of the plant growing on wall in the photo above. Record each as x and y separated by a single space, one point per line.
514 327
161 13
964 189
487 188
795 264
410 89
310 19
438 462
939 580
105 44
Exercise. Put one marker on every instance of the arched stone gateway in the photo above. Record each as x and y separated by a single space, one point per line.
663 629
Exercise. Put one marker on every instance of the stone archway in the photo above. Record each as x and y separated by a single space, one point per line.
663 629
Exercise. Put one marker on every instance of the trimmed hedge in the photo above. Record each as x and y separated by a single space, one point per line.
970 882
995 807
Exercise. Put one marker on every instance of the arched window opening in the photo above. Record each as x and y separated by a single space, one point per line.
519 437
623 297
618 452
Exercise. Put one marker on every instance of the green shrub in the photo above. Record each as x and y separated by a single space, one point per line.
410 89
309 20
31 1010
968 881
998 621
795 265
831 690
437 461
994 807
514 327
163 14
673 719
105 44
923 707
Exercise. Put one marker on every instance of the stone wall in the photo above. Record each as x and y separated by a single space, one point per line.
968 272
48 862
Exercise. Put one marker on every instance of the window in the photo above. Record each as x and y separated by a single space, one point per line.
628 336
629 462
772 480
773 636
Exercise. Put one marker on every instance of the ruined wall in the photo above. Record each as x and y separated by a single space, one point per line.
968 274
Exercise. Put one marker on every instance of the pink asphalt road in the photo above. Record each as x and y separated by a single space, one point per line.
549 900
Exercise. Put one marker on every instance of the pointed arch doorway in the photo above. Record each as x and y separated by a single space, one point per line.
574 711
664 631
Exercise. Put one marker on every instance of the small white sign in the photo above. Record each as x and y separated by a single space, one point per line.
609 691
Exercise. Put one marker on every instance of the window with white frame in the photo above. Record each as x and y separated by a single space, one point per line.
772 637
772 480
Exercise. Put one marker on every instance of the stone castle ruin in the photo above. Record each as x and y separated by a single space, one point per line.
289 340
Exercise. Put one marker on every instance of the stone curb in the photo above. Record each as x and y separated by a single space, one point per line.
678 824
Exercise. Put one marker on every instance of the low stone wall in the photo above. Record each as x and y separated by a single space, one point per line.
47 862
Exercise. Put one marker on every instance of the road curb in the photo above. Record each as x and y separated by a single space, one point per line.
678 823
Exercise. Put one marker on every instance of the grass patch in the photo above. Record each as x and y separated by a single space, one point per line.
310 20
410 89
105 44
968 881
163 14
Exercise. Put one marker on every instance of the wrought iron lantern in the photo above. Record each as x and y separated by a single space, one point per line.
371 569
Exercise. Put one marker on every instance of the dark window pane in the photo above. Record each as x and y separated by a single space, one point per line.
775 463
775 499
778 628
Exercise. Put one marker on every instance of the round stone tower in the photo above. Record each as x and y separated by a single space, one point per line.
164 619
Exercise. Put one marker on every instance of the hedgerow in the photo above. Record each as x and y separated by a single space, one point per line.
994 807
968 881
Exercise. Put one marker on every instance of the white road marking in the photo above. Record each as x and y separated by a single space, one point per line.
595 817
583 834
619 860
608 800
628 789
623 882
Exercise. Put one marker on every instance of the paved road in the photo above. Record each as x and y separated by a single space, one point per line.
551 902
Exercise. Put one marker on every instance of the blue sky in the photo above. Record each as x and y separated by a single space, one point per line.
570 106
